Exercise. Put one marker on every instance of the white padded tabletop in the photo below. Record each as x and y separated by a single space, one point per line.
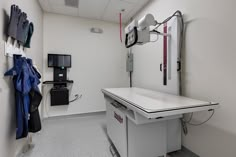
152 101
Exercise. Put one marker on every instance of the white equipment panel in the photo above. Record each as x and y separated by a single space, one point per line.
155 104
171 64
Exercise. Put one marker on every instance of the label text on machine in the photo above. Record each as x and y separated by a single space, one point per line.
118 118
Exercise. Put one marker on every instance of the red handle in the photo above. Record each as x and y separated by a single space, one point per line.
165 56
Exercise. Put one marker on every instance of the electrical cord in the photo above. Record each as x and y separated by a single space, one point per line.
158 33
45 106
185 122
177 13
180 15
184 127
190 118
77 96
198 124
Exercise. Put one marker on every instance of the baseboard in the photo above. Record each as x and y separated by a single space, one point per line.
26 146
20 146
20 152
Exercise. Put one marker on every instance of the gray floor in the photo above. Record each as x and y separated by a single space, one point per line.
183 153
71 137
77 137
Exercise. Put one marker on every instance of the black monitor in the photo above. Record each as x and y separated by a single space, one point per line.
59 60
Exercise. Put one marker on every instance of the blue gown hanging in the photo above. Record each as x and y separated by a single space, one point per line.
25 80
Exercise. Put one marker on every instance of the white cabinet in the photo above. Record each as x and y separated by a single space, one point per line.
135 137
116 127
147 140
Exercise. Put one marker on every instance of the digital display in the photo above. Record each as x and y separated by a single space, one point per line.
59 60
131 38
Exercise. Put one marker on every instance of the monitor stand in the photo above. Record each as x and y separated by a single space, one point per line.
60 75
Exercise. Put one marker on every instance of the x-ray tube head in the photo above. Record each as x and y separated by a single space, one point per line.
147 21
139 32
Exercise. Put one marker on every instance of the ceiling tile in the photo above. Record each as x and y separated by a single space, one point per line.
132 13
65 10
106 10
137 7
114 8
92 8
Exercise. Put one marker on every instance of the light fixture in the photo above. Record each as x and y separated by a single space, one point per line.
96 30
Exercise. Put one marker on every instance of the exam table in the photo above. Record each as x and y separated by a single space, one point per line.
145 123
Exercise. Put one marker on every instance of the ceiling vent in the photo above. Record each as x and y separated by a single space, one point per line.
72 3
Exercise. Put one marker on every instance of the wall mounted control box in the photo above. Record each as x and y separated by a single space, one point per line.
59 96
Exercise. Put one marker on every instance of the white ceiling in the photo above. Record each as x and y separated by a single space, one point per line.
106 10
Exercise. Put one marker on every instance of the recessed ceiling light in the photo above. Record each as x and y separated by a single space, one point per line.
72 3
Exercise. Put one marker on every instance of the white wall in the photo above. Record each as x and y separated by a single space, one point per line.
98 60
8 145
208 73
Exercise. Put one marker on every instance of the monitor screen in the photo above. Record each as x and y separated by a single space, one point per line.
59 60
